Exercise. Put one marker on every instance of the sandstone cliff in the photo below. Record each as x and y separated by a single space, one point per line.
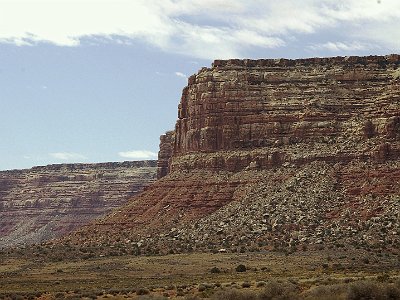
46 202
165 153
273 153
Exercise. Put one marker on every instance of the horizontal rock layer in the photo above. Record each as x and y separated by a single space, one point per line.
165 153
286 107
273 153
46 202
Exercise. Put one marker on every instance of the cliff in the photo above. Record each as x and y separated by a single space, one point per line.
273 154
268 112
46 202
165 153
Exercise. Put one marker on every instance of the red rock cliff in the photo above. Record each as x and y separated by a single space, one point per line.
278 153
277 106
46 202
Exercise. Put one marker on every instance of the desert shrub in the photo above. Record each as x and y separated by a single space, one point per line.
260 284
275 290
113 292
397 283
201 288
369 129
16 297
170 287
326 292
215 270
180 292
241 268
59 296
372 290
152 297
383 277
365 260
142 291
72 297
192 297
233 294
393 292
89 295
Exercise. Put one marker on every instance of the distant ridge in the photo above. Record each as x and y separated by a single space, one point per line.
45 202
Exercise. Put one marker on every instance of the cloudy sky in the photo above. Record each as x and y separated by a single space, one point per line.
100 80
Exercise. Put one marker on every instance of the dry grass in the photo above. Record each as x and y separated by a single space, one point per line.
268 275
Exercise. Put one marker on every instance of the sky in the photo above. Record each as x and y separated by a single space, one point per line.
100 80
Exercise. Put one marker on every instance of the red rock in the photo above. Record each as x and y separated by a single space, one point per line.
250 133
47 202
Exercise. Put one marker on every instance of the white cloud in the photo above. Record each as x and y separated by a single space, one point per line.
180 74
138 154
68 156
203 29
341 47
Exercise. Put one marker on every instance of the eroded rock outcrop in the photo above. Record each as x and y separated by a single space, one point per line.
165 153
274 111
46 202
274 153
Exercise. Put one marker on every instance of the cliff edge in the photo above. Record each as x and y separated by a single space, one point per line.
273 153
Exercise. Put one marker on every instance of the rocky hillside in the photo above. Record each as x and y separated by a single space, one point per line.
273 153
46 202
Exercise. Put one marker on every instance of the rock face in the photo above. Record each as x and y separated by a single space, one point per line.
165 153
295 111
274 153
46 202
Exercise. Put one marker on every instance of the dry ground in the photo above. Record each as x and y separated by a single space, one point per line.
186 273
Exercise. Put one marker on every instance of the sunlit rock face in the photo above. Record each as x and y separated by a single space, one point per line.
274 111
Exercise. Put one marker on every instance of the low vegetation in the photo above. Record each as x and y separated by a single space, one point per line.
250 275
273 290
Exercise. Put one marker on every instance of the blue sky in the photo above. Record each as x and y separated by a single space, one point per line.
94 81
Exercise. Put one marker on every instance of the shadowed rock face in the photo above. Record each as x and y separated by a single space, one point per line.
46 202
165 153
275 153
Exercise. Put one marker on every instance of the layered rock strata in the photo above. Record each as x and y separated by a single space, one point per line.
274 153
165 153
268 112
46 202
